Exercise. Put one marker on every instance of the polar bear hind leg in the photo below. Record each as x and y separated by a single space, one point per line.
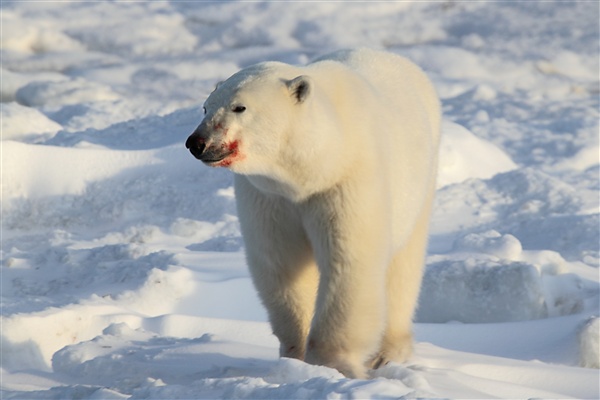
403 284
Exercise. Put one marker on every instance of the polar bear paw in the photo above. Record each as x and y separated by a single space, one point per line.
396 350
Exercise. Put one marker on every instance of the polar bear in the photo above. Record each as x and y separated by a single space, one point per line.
335 165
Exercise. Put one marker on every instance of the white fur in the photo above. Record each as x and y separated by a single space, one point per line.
334 187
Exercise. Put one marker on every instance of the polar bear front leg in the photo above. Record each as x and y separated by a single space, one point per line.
350 247
288 293
281 264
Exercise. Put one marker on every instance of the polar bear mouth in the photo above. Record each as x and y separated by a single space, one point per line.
222 156
210 155
213 159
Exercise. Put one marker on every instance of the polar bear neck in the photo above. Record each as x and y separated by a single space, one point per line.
276 187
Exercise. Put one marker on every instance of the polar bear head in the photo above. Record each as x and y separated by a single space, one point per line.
249 117
277 125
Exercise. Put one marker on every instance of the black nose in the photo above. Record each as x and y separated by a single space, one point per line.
196 145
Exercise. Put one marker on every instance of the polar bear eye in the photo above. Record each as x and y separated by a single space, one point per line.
238 109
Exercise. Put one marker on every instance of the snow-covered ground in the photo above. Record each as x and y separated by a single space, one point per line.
123 274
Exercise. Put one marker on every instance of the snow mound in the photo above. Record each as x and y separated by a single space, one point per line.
156 292
142 364
56 93
13 81
148 132
65 170
463 155
158 31
25 123
532 205
570 64
30 37
585 158
115 358
453 62
289 370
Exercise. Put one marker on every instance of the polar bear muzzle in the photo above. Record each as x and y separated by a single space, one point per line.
204 148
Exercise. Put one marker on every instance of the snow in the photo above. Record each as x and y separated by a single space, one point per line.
123 274
482 160
19 122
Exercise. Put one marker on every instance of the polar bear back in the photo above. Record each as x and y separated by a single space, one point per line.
390 75
408 117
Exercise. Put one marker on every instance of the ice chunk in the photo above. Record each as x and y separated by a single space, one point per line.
475 290
491 242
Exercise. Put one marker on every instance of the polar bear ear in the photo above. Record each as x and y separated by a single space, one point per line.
299 87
